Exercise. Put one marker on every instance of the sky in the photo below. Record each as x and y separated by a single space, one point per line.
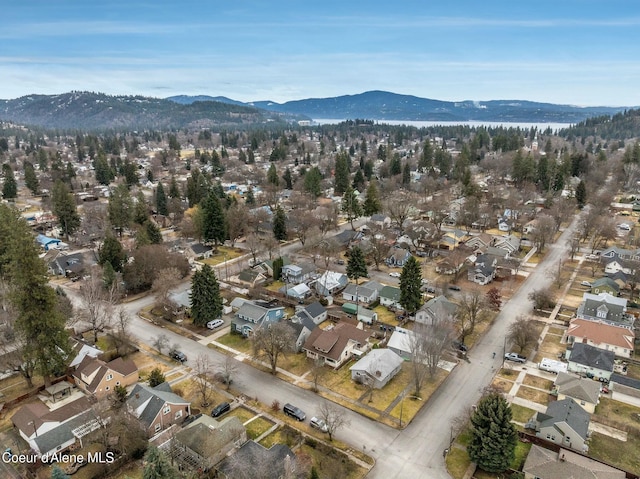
579 52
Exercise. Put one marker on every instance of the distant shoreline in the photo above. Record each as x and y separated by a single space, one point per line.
472 123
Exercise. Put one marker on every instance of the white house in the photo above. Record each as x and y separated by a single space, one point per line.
377 368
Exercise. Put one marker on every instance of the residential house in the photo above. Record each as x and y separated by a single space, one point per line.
331 283
604 307
83 350
253 314
299 291
365 293
398 257
619 278
437 308
348 237
251 277
48 243
622 385
205 442
200 251
157 408
377 368
336 345
67 265
509 243
97 378
503 225
610 337
483 271
390 297
583 391
293 273
366 315
267 266
381 220
401 342
590 361
251 457
56 429
615 265
237 303
605 285
302 326
621 253
448 266
564 423
544 463
480 242
314 311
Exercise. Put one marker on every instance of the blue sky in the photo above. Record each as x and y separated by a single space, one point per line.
582 52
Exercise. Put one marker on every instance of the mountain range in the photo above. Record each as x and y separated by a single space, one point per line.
88 110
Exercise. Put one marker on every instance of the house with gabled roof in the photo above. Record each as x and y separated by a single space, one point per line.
254 314
390 297
605 285
564 423
480 242
615 265
251 277
314 311
544 463
604 307
509 243
331 283
157 408
590 361
67 264
621 253
365 293
377 368
97 378
583 391
200 251
251 457
607 336
436 309
336 345
398 257
298 273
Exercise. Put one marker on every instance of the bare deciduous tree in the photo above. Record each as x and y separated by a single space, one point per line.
202 373
161 342
334 417
227 371
379 244
399 207
98 303
522 333
271 341
543 233
120 334
255 246
317 371
471 311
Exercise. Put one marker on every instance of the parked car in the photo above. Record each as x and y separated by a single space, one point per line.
178 355
394 274
585 283
454 287
294 412
216 323
460 346
624 226
220 409
515 358
430 289
340 262
319 424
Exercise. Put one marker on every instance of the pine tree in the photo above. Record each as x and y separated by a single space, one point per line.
157 465
156 377
288 179
120 208
406 174
30 178
341 173
174 190
250 199
356 265
493 436
153 232
214 226
64 207
351 206
272 175
9 187
108 275
313 182
410 284
140 211
372 204
111 252
206 302
280 224
161 201
581 194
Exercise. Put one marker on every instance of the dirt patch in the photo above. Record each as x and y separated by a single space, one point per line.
534 395
502 385
537 382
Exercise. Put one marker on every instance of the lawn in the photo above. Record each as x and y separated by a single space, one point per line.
457 462
558 331
633 371
242 413
188 389
385 316
297 364
623 454
257 427
275 286
235 341
521 414
622 413
537 382
330 462
534 395
502 385
223 254
340 382
283 435
550 348
411 406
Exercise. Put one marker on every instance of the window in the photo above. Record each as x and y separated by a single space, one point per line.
157 427
166 410
178 414
109 377
602 314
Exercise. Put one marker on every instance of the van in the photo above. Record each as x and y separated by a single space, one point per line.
220 409
294 412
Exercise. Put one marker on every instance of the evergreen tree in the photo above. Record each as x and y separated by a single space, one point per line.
358 180
280 224
214 226
161 201
9 187
156 377
140 210
272 175
288 179
278 264
581 194
153 232
104 172
341 173
396 165
406 174
174 190
111 252
206 302
30 178
410 284
351 206
250 199
108 275
356 265
197 187
157 465
313 182
493 436
120 208
64 207
372 204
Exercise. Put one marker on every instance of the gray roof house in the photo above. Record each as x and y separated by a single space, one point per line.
605 285
251 457
298 273
544 463
157 408
621 253
398 257
331 283
365 293
604 307
302 326
584 391
314 311
509 243
564 423
436 308
400 342
252 315
590 361
377 368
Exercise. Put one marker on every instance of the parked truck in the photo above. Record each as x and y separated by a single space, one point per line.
552 366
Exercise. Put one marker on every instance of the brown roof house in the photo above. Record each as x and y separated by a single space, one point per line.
610 337
205 442
56 427
336 345
157 408
546 464
97 378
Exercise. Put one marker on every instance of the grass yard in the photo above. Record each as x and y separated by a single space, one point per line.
283 435
534 395
235 341
330 462
257 427
189 391
275 286
223 254
385 316
509 374
633 371
385 396
550 348
623 454
557 330
411 406
457 462
521 414
618 412
340 382
297 364
502 385
132 470
537 382
241 413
